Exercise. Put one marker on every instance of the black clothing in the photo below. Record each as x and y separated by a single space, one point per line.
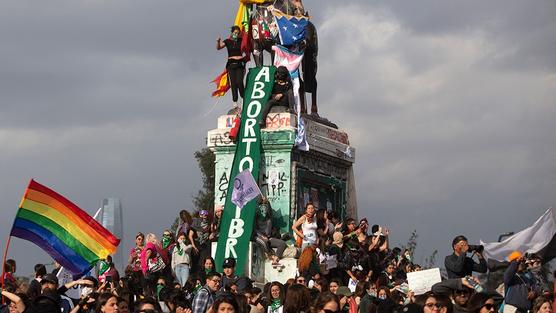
448 286
286 100
309 62
260 46
233 47
236 72
462 265
517 286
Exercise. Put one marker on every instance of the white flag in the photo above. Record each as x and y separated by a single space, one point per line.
538 238
245 189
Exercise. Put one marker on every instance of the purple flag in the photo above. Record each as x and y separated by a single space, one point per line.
245 189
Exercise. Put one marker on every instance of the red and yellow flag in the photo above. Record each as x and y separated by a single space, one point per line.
222 85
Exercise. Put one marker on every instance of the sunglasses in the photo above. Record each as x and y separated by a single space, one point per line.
433 305
167 235
489 306
301 280
329 311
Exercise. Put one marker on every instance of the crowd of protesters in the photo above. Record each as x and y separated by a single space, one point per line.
343 266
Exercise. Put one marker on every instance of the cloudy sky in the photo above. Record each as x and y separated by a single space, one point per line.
450 104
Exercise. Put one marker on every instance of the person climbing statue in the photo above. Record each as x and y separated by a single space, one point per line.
236 63
282 94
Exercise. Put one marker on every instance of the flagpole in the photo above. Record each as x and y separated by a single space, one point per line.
4 263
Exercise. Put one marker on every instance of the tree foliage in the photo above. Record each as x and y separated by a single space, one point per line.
205 197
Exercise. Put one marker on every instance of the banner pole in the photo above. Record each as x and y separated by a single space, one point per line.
4 263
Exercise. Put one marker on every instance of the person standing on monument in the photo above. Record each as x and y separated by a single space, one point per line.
306 227
236 64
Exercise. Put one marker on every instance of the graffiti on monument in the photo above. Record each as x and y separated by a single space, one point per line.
222 187
220 139
278 120
275 184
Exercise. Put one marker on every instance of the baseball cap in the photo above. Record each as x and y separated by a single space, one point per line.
229 262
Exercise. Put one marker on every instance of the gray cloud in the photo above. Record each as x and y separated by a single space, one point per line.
450 106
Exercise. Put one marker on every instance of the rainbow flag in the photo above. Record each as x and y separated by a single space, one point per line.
67 233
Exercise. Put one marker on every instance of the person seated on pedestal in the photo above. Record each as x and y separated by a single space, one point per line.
282 94
263 232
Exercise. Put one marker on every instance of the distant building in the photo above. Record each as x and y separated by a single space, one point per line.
111 217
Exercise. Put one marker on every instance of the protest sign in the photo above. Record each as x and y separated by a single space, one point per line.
422 281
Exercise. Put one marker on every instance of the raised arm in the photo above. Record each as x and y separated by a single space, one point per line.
20 306
220 44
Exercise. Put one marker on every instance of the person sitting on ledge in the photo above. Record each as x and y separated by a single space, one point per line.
282 94
263 232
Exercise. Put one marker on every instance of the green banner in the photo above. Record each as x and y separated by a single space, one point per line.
237 223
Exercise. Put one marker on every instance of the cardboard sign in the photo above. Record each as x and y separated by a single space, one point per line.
422 281
64 277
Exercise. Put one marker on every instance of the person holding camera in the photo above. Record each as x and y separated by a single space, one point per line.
520 285
459 265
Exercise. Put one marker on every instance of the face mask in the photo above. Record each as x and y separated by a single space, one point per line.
382 297
165 242
86 291
263 209
234 36
372 293
158 288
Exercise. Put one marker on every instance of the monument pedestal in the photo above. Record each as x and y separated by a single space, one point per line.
289 177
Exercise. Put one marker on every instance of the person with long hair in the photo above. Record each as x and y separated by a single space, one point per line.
149 255
297 297
107 303
542 304
308 264
184 223
181 259
276 297
326 302
306 227
208 265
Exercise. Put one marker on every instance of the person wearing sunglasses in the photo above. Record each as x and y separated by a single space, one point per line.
481 303
459 289
429 303
326 302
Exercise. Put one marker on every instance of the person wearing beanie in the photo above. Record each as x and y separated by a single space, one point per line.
520 285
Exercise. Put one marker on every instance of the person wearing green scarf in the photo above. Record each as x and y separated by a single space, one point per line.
276 297
181 259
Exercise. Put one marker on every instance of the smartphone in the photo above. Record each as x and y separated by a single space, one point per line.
108 279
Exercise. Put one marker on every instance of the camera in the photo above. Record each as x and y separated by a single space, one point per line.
476 248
